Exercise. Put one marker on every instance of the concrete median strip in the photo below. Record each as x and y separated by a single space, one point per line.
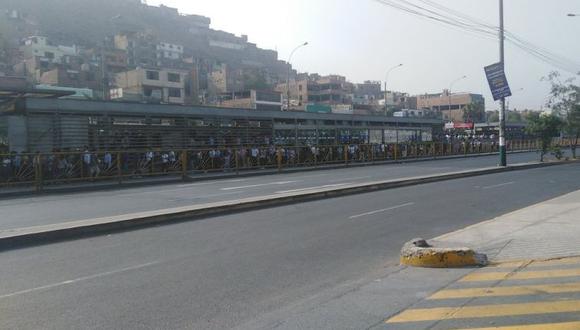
418 253
12 238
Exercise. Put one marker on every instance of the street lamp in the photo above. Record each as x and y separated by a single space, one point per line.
289 69
386 80
517 91
449 95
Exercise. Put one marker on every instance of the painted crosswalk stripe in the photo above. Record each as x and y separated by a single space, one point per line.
507 291
556 262
524 275
484 311
547 326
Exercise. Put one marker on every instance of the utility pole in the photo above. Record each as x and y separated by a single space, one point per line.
502 138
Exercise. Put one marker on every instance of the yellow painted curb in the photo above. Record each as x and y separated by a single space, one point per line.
418 253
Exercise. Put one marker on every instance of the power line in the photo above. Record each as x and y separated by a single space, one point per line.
460 21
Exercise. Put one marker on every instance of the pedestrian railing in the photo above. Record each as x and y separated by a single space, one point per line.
39 170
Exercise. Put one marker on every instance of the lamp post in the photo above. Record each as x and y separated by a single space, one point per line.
449 95
386 81
513 92
289 70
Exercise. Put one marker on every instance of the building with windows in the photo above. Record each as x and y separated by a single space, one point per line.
316 89
36 46
154 85
367 93
253 99
452 107
141 48
169 51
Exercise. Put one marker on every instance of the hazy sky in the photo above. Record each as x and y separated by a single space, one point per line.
361 39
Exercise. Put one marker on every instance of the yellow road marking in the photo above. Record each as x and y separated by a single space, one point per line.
536 263
506 291
525 275
554 262
511 264
432 314
547 326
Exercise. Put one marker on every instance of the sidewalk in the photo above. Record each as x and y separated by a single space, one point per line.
543 231
529 290
533 282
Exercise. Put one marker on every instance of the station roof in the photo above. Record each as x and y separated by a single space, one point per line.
89 107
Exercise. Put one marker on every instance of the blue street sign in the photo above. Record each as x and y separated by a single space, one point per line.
497 81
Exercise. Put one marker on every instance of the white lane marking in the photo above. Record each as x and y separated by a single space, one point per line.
181 187
209 183
224 194
260 185
499 185
208 196
76 280
312 188
352 179
311 176
381 210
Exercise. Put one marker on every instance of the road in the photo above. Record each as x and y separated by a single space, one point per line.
50 209
228 271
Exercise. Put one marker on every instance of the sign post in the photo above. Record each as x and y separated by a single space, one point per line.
500 89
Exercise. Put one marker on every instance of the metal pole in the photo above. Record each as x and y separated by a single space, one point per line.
386 94
449 96
502 139
288 78
449 104
386 80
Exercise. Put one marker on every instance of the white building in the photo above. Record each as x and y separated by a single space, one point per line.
406 113
37 46
169 51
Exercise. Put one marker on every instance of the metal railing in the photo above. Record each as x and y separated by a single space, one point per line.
39 170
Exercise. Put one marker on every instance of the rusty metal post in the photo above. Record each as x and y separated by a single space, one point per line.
119 169
237 161
37 172
184 165
279 159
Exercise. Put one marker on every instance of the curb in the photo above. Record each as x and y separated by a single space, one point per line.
194 177
418 253
12 238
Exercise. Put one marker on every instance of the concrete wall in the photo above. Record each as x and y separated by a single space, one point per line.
238 103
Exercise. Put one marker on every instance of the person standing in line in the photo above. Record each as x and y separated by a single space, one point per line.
86 161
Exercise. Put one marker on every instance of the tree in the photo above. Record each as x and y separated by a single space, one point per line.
565 102
493 116
544 126
514 117
473 112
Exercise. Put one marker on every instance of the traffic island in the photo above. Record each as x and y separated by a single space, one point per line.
419 253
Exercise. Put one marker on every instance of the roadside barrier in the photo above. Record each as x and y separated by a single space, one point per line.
42 169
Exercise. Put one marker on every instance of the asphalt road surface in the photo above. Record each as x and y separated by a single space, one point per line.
226 271
50 209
